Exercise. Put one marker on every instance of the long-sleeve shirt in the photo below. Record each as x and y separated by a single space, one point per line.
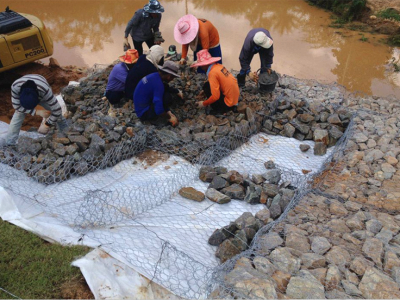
250 48
149 91
208 37
143 67
222 81
117 78
141 28
45 94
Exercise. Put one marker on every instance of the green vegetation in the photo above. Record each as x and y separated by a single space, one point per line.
346 10
32 268
390 14
363 38
394 40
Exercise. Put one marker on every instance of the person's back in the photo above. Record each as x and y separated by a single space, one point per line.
149 92
142 68
223 81
117 78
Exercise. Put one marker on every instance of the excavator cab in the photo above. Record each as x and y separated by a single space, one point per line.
23 39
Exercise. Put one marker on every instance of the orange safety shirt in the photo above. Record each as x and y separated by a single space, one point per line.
221 80
208 37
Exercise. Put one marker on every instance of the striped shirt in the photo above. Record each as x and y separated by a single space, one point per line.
45 95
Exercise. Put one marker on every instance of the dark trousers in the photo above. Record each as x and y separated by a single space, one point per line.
139 45
218 105
150 114
214 52
114 97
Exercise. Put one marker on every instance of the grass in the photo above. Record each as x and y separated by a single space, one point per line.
32 268
363 38
390 14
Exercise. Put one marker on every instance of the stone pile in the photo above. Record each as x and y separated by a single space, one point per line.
237 236
97 139
266 188
342 243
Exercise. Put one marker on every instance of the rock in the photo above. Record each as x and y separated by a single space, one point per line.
321 135
305 286
320 245
272 176
257 179
373 248
269 165
319 149
338 256
313 261
319 274
235 177
191 193
227 250
351 277
384 235
256 288
360 138
253 194
304 147
334 120
217 197
288 130
275 207
270 241
333 278
207 174
297 241
246 220
335 294
271 189
390 261
337 225
304 129
263 265
263 215
234 191
338 208
351 289
355 224
377 285
283 260
218 236
305 118
218 183
281 280
373 226
359 265
396 274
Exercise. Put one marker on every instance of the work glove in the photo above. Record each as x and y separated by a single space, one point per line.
43 113
44 128
158 39
182 61
173 120
200 104
127 46
253 76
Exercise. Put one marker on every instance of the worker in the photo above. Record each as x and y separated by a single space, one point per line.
26 93
115 89
258 40
197 34
145 65
151 99
221 89
144 26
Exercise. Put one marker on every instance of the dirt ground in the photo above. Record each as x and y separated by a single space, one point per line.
58 77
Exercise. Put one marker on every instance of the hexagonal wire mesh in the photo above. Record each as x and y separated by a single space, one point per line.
132 209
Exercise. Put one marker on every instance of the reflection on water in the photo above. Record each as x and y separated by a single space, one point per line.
86 32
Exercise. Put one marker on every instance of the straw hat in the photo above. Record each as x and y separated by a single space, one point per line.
204 58
170 67
186 29
261 39
130 57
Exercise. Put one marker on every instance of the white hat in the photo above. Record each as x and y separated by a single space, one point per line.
261 39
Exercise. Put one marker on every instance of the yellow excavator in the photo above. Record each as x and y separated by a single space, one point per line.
23 39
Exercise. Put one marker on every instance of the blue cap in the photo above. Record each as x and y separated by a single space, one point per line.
28 96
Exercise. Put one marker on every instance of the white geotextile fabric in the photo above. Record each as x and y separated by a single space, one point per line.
137 241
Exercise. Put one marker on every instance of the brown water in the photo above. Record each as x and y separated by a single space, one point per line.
86 32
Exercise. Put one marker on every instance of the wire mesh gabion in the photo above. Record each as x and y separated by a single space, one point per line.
107 199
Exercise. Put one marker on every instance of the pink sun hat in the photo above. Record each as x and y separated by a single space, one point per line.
186 29
204 58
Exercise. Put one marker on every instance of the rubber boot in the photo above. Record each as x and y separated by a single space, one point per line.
241 79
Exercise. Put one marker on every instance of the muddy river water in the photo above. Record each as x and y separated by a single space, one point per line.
86 32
